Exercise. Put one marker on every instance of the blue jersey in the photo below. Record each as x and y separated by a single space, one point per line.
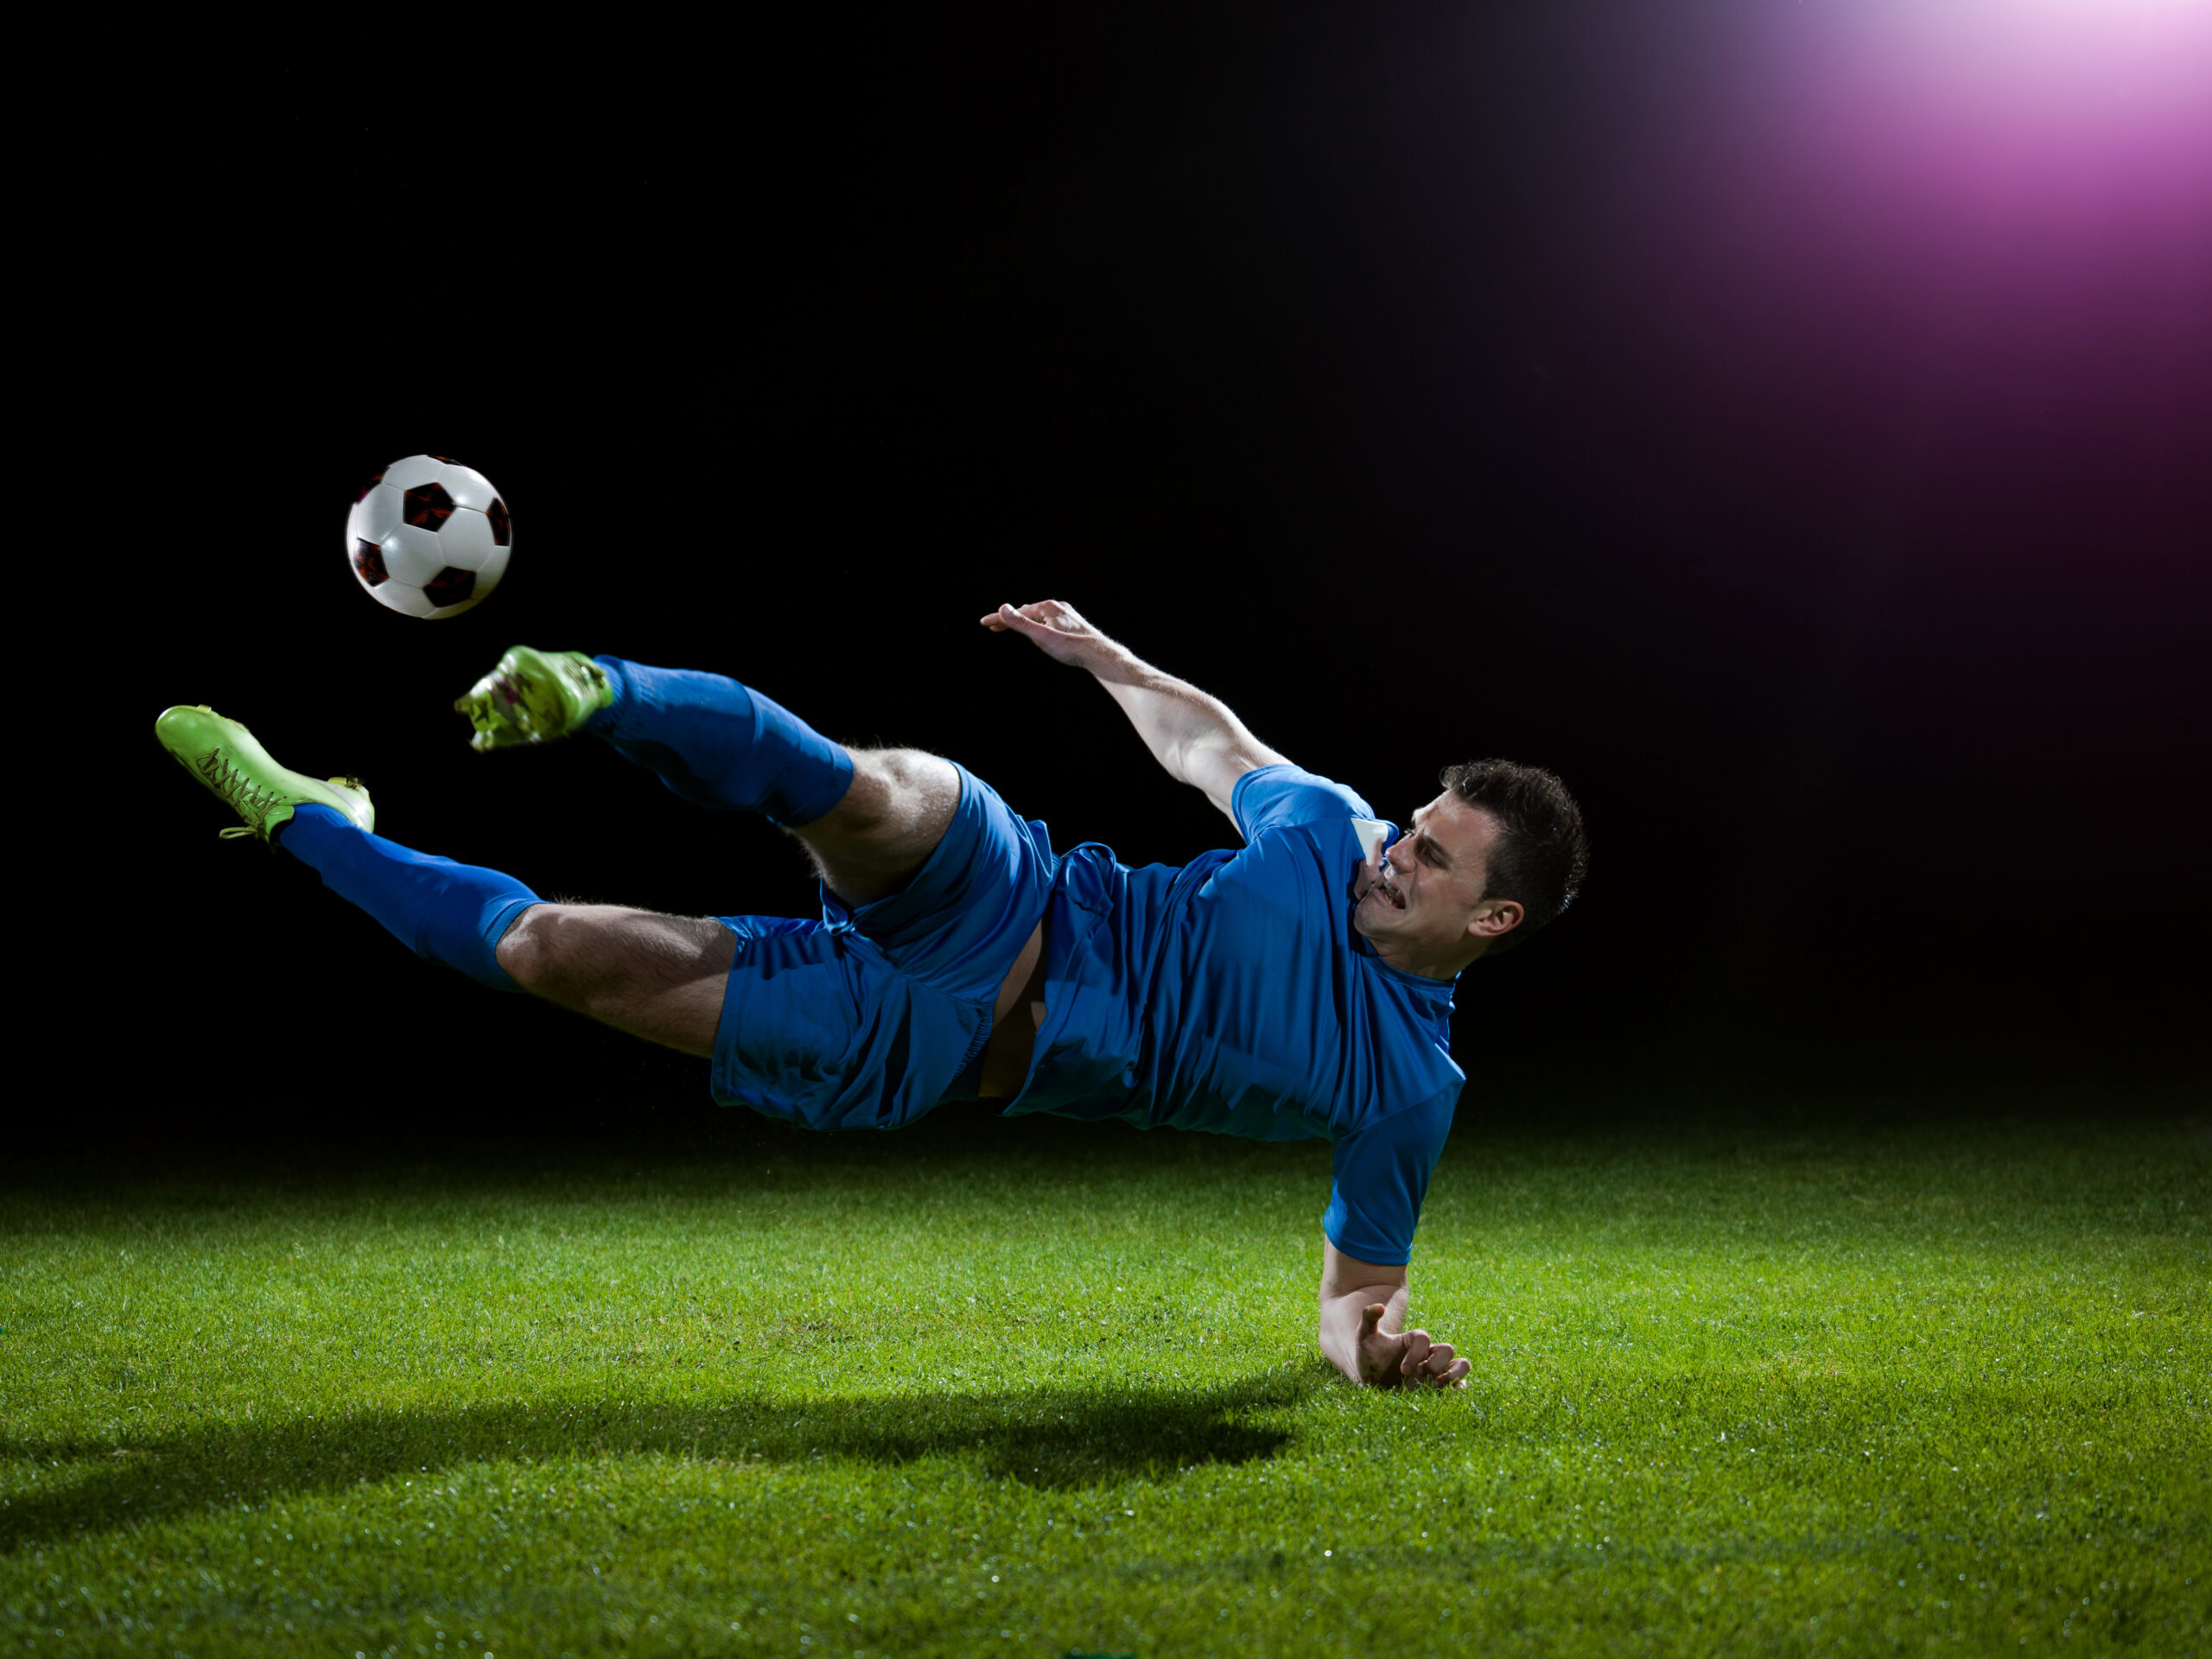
1233 994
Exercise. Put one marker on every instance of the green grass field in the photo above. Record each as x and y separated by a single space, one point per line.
1034 1389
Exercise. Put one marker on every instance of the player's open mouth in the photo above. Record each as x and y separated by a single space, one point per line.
1390 894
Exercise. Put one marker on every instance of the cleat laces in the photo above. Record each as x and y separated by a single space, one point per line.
250 800
247 799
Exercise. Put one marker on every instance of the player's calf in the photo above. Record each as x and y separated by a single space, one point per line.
870 817
714 741
658 977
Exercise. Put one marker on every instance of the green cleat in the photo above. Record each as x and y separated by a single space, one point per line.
222 754
534 697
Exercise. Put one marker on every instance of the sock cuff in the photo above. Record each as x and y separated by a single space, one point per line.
313 820
496 920
605 722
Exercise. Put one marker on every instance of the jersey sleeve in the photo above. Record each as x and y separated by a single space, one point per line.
1267 798
1381 1176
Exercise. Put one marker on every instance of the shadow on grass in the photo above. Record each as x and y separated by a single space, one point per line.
1059 1437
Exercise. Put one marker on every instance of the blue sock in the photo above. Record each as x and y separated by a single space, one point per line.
717 744
444 911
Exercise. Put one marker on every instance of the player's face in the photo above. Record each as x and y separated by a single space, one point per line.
1425 903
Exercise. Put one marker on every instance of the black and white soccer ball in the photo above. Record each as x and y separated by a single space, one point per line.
428 537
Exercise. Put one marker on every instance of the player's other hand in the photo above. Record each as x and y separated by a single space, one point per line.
1056 629
1406 1358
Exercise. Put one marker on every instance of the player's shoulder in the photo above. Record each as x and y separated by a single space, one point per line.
1424 1115
1284 795
1410 1113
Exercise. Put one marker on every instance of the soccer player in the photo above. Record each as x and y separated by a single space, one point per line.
1301 987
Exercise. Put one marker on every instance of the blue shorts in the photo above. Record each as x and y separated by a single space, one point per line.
869 1017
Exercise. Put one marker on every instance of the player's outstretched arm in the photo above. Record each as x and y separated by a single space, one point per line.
1195 736
1363 1317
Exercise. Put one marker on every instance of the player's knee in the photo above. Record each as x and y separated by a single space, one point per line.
907 769
557 951
908 791
899 805
526 952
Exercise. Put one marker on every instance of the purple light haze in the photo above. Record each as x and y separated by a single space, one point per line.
1965 242
2077 132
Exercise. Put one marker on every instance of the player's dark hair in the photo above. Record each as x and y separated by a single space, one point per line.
1541 853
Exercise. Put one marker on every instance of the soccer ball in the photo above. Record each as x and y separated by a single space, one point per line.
428 537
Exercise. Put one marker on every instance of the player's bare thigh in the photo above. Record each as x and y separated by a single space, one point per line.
658 977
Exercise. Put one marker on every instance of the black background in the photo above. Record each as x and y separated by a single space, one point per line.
1354 366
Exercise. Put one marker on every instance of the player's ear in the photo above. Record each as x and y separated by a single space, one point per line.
1495 918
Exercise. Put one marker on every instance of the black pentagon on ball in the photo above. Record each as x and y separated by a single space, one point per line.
497 512
368 563
366 487
450 587
427 507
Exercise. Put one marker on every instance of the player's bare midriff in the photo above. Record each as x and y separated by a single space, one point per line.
1014 1019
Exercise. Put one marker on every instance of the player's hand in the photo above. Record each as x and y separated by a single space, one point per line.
1408 1359
1056 629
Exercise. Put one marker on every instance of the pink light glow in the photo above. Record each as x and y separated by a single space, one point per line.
1986 222
2036 57
2009 107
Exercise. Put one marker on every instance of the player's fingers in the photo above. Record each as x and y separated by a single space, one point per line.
1438 1359
1417 1346
1457 1376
